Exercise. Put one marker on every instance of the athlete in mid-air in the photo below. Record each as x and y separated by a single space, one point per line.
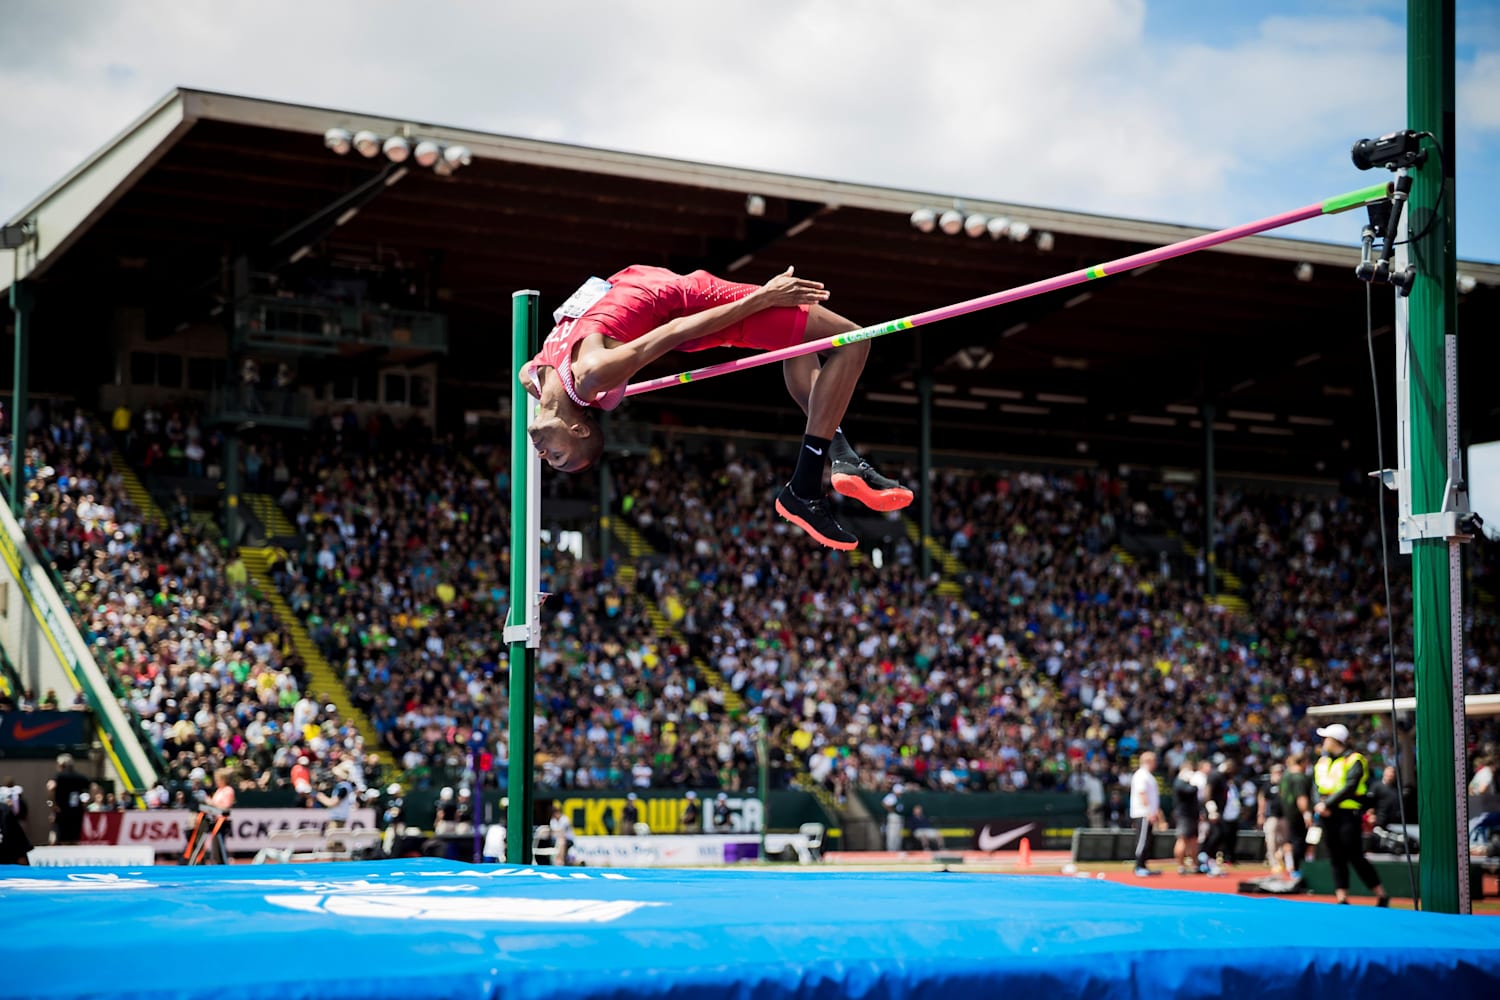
609 330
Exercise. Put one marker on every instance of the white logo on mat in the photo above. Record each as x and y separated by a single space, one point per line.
994 841
490 908
76 882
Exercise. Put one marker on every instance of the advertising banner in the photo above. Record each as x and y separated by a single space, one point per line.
166 831
1007 834
599 814
662 852
93 856
41 734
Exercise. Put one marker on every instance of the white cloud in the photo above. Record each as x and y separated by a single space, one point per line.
1478 92
1069 105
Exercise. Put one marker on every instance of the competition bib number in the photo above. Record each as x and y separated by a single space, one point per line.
579 302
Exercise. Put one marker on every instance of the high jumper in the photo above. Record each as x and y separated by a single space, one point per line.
609 330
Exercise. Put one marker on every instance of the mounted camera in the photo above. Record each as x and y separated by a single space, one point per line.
1392 151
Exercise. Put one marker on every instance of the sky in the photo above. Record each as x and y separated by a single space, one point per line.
1205 113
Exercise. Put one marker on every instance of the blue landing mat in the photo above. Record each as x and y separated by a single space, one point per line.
411 930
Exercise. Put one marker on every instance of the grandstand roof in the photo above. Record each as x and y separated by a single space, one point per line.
152 218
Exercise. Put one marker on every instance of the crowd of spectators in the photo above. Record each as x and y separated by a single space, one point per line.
404 584
1064 651
193 652
1063 657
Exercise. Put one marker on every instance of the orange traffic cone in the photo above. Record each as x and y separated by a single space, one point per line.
1025 861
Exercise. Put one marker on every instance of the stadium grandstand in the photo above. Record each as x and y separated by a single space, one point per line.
257 457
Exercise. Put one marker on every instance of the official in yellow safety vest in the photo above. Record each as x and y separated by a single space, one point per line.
1342 777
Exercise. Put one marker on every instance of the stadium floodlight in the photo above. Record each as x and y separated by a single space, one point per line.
1467 283
17 236
951 222
339 140
755 205
998 227
367 142
975 224
427 153
457 156
1304 271
1045 241
924 220
1020 230
396 149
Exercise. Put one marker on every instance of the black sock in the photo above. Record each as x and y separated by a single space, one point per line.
807 477
841 450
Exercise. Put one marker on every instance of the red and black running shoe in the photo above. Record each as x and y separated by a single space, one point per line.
869 487
815 518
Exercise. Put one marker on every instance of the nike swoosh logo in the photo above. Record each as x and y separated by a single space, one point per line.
987 841
815 451
22 732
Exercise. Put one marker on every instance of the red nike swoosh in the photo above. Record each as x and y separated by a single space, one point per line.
21 732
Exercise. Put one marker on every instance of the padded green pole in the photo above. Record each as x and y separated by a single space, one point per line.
1441 763
523 467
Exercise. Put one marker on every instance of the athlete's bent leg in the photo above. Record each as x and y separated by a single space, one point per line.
824 393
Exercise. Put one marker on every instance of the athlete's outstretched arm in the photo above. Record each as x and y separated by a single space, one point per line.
602 370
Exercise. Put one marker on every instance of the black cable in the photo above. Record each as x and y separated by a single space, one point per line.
1437 208
1385 569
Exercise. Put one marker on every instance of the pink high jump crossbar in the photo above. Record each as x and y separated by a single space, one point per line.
1332 206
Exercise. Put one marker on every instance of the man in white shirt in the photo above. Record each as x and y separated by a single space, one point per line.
1145 810
1483 782
562 833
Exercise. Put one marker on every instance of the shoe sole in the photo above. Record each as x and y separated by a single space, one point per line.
856 488
816 535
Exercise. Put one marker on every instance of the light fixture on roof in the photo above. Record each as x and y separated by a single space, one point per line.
367 142
755 205
339 140
975 225
451 159
1304 271
16 236
1020 230
951 222
1045 241
924 220
998 227
1467 283
396 149
427 153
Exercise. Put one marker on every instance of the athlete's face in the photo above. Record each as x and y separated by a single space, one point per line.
553 441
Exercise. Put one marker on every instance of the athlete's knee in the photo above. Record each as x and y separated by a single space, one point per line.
825 323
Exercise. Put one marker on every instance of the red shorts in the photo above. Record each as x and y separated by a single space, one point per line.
767 330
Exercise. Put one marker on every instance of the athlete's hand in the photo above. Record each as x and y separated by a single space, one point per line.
786 289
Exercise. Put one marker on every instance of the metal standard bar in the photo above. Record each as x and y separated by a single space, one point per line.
924 463
521 631
1456 606
1210 557
1456 642
1332 206
20 304
1430 79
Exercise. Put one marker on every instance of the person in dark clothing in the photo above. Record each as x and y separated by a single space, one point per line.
1215 799
67 796
692 816
630 815
1296 806
1271 817
723 823
14 844
1185 812
1117 809
1386 801
1341 776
